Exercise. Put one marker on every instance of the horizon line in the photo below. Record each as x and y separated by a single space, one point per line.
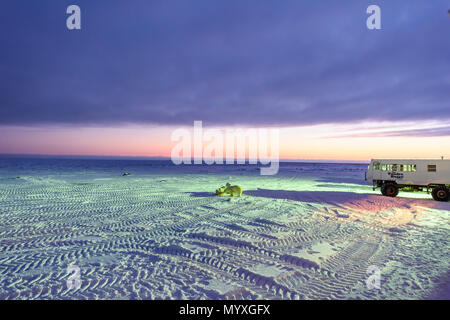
125 157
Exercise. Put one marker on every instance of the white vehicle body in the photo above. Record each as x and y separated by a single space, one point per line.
392 175
415 172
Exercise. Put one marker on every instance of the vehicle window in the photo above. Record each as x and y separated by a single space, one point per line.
431 168
408 167
376 166
396 167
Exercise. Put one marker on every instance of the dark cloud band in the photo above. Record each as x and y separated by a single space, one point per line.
223 62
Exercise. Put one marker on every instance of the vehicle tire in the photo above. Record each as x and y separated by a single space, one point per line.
389 189
441 193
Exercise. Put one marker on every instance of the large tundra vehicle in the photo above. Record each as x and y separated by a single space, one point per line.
392 175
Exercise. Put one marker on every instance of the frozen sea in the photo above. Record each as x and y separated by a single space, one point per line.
313 231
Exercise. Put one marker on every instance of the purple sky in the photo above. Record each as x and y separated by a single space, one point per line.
224 62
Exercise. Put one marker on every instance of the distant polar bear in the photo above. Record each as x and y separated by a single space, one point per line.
229 189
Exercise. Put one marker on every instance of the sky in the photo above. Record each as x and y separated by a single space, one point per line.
137 70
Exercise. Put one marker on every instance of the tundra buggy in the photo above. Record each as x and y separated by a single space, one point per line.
392 175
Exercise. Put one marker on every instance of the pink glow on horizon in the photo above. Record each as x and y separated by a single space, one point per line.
133 141
323 142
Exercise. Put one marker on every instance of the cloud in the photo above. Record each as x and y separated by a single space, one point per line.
223 62
428 132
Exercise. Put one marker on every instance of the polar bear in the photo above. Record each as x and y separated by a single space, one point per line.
229 189
221 191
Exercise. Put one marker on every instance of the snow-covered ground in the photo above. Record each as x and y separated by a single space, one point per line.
310 232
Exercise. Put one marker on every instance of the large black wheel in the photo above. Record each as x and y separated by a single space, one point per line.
441 193
389 189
